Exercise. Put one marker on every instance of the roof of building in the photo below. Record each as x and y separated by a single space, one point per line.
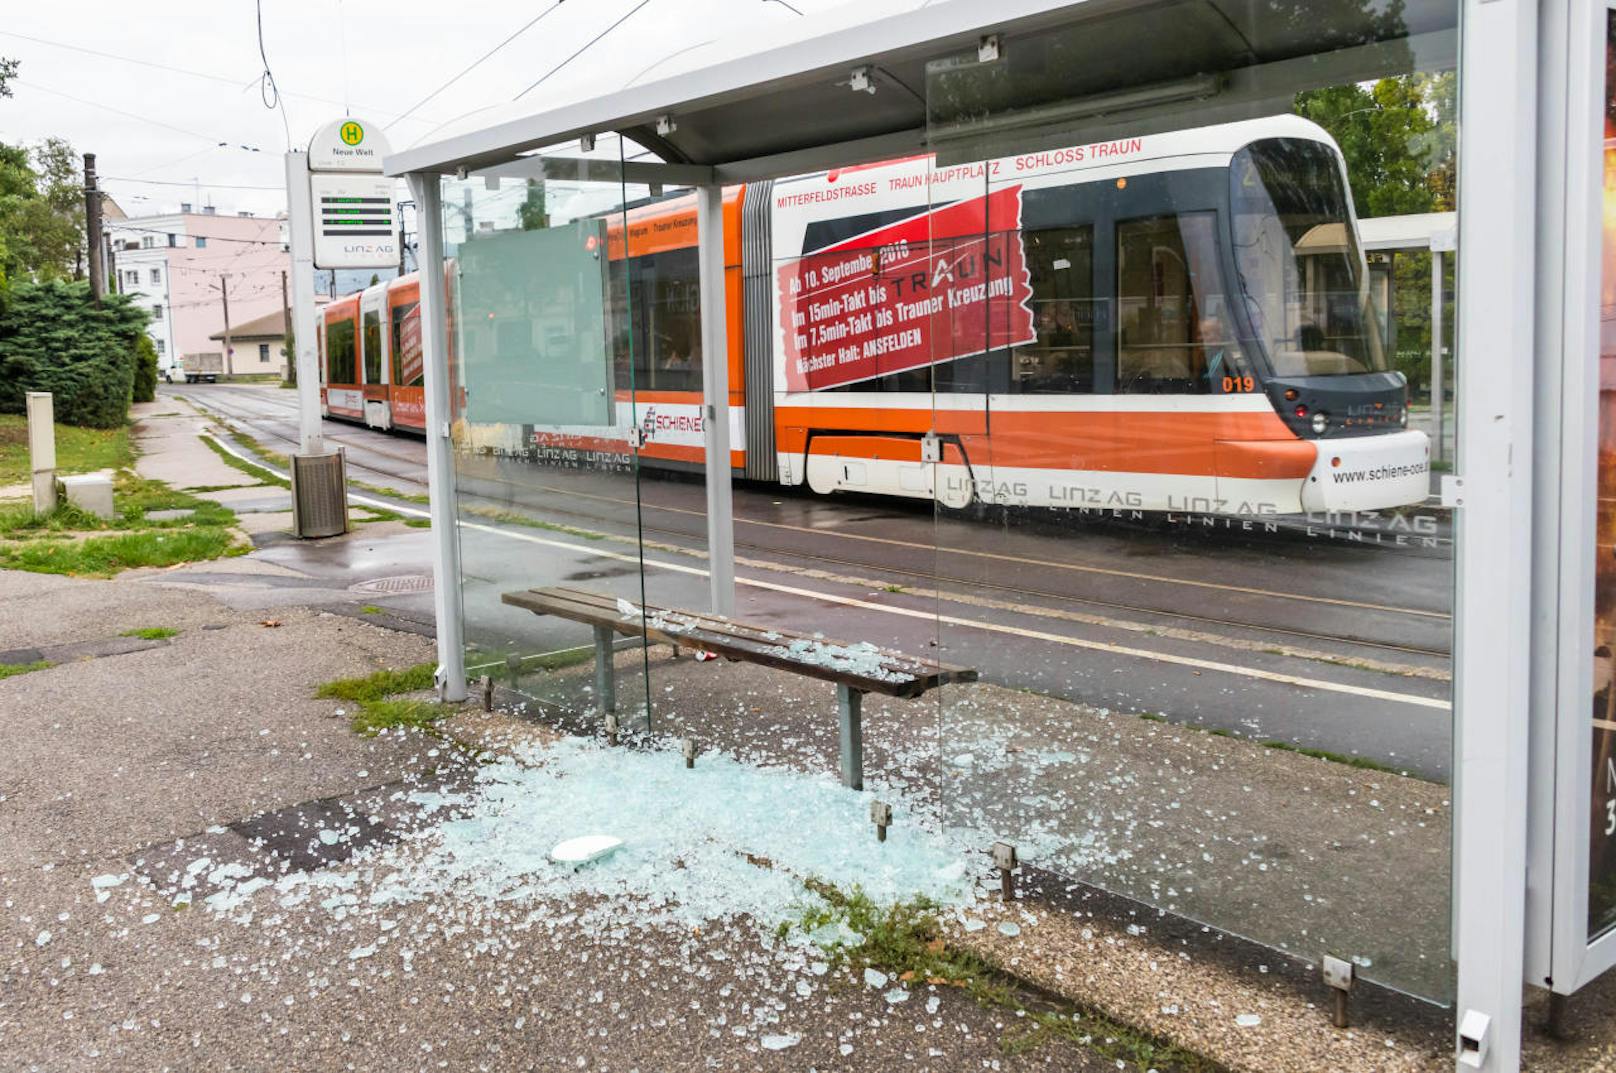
269 326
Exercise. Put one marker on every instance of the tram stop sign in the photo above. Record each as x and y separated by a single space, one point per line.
354 220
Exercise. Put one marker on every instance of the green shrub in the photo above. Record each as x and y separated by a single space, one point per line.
54 338
145 369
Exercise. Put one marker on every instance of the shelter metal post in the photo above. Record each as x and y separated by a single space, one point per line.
300 229
1493 532
1437 416
715 398
451 676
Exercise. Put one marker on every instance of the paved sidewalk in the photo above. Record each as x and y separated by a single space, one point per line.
211 746
167 435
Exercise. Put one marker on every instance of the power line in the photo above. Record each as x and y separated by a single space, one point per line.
132 115
477 62
186 182
582 50
224 79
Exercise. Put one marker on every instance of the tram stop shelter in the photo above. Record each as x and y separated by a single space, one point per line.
1435 234
518 203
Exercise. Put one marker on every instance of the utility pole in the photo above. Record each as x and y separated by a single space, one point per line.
224 296
286 322
92 223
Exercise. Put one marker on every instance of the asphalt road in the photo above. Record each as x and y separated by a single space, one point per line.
1326 635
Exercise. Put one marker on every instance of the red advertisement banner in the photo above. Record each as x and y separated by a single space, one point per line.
409 346
939 286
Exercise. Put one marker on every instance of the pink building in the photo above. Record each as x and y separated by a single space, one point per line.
188 268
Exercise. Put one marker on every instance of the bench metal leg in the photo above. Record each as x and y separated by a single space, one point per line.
605 680
850 713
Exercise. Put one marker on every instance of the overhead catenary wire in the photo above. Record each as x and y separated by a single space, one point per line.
135 116
185 182
525 27
586 46
268 92
189 72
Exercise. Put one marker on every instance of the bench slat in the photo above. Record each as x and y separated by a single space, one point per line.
897 674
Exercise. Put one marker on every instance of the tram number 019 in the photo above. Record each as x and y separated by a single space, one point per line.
1232 384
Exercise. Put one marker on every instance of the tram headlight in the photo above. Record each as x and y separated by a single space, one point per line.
1321 422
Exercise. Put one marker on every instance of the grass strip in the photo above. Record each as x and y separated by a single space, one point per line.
905 941
11 670
103 556
391 493
1363 762
379 684
375 716
375 694
151 633
258 473
78 450
510 517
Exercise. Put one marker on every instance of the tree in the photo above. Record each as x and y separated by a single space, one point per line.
145 385
54 338
1397 138
41 210
533 212
8 71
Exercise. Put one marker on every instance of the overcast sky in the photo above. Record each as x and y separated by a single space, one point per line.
193 82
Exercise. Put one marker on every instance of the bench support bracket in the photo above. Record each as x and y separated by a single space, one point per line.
605 679
850 718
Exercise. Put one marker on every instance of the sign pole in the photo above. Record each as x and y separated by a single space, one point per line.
300 228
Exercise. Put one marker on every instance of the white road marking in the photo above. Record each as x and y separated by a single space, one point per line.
906 612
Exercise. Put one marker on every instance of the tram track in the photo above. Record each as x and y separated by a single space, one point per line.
267 423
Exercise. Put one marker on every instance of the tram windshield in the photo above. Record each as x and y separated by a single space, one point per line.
1296 253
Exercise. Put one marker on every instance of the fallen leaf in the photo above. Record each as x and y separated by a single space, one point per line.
907 976
270 623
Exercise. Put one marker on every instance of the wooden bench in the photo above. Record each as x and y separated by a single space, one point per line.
856 669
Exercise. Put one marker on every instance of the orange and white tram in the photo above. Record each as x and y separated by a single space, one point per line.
1177 321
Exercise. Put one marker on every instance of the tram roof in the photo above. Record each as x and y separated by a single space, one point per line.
779 102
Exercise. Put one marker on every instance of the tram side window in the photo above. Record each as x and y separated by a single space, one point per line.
407 367
373 348
1173 336
1060 261
663 325
339 342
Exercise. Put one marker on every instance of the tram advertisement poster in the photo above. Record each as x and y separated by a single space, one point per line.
940 285
409 346
1602 828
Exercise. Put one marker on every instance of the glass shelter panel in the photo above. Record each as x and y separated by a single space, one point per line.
1185 528
544 467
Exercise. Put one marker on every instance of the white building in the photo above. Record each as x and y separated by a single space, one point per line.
191 269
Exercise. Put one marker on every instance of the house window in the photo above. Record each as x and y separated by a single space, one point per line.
156 277
160 347
146 243
263 351
157 311
131 279
201 242
173 239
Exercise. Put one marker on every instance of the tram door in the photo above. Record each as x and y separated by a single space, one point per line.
373 347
